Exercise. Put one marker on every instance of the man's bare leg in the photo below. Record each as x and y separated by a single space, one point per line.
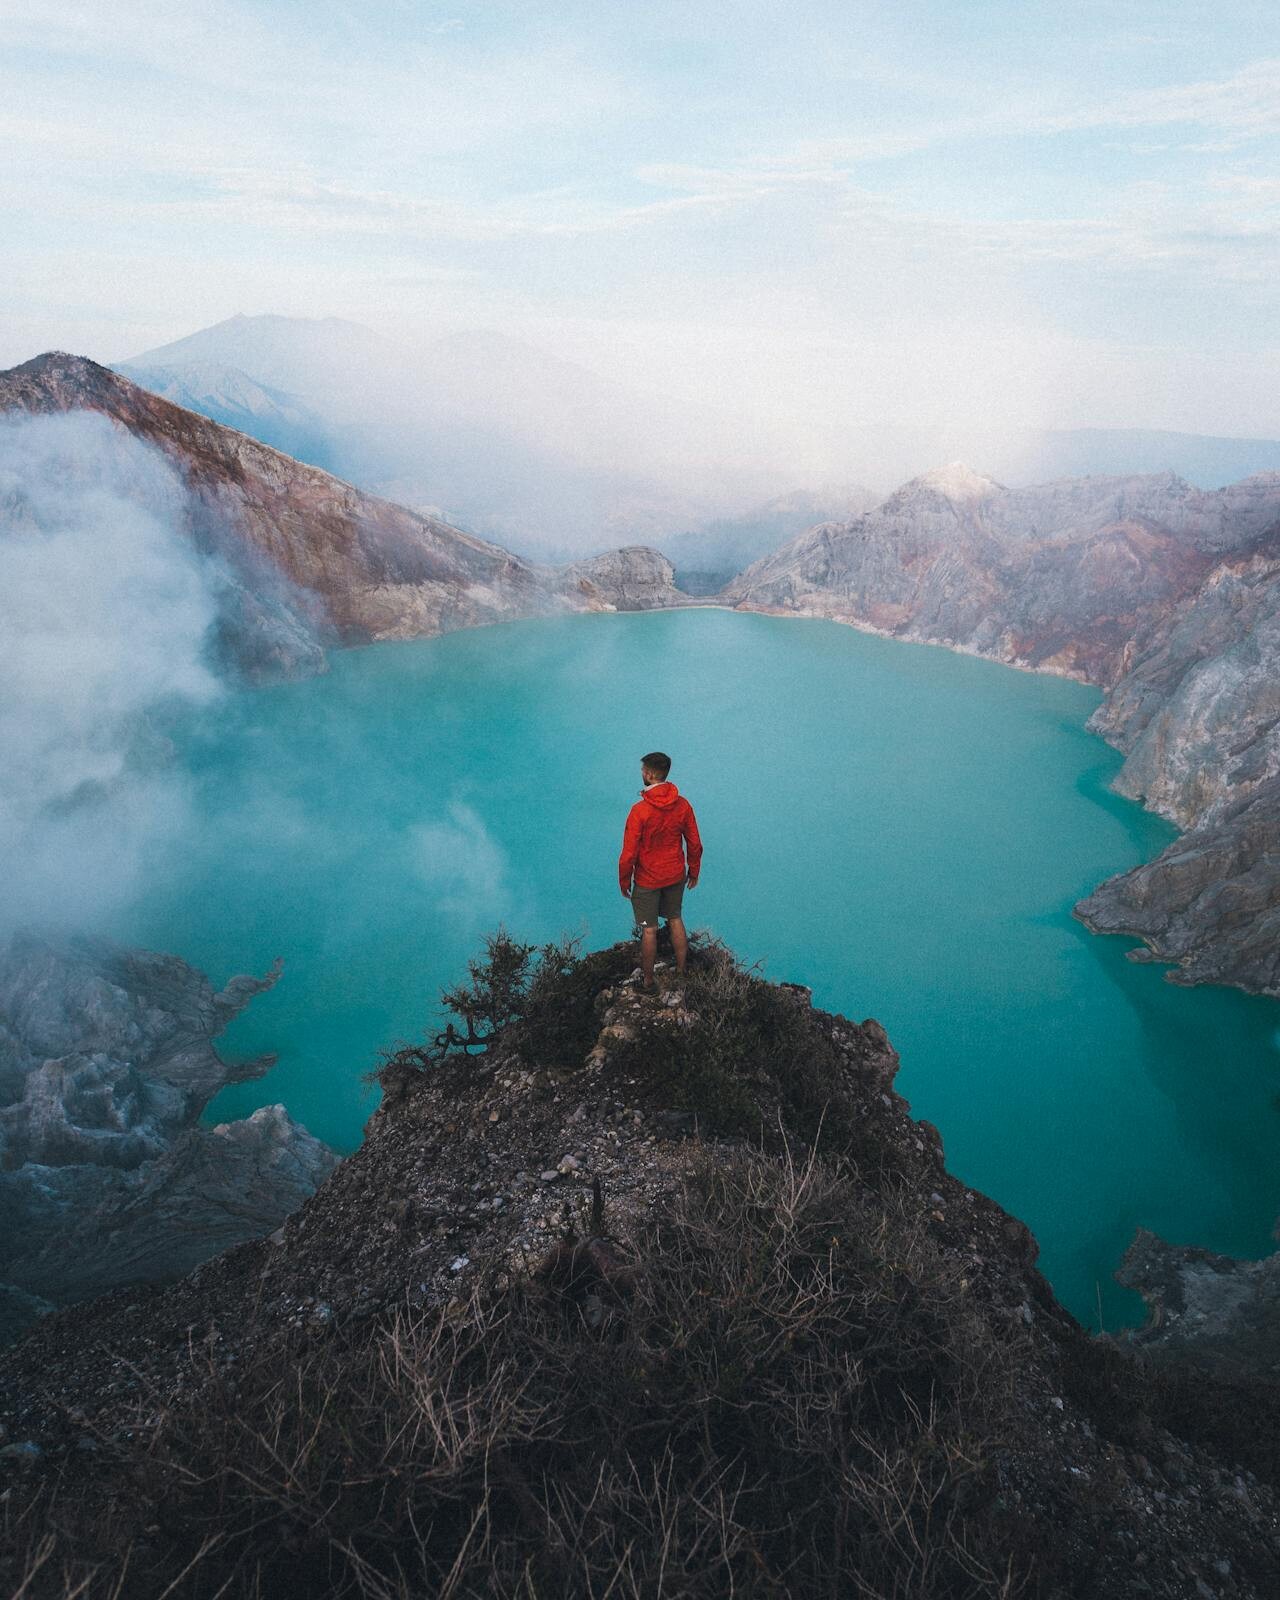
679 940
648 952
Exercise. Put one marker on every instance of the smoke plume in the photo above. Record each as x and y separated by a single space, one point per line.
105 609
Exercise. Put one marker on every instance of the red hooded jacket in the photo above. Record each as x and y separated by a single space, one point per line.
660 828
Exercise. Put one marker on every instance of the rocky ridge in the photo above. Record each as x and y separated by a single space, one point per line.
1165 595
593 1157
106 1177
231 397
316 561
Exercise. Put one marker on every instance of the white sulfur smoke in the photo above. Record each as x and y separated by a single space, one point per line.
462 865
104 611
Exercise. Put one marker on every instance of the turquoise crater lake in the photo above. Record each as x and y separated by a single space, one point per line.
903 828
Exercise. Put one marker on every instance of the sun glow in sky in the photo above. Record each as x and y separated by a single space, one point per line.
1004 210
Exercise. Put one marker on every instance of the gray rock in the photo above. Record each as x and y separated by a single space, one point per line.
1198 715
1210 901
1166 595
25 1453
634 578
106 1064
1218 1313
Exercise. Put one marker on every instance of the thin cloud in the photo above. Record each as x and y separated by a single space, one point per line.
302 204
1244 106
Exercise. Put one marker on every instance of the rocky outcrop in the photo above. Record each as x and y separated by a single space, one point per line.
1167 596
1210 1311
626 1251
634 578
106 1064
1210 901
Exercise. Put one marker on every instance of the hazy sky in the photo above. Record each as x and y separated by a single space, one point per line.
1063 213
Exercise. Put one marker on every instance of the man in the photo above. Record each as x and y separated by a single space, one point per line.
660 829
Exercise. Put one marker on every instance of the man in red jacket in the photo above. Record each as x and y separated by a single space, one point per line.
660 829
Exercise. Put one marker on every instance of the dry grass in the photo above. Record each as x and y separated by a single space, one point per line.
794 1397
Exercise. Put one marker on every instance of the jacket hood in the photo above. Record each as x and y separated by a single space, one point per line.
661 795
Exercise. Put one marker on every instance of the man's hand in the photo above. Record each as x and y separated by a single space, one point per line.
691 883
626 894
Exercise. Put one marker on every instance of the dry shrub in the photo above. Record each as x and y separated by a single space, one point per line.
796 1397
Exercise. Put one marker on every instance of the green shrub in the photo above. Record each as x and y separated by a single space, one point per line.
510 982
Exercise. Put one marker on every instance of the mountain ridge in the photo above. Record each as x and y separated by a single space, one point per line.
525 445
628 465
337 564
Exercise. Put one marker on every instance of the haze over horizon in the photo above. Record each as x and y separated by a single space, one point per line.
1006 216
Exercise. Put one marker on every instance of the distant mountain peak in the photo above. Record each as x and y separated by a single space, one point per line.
957 481
263 319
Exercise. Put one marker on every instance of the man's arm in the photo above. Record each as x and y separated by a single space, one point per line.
630 850
692 845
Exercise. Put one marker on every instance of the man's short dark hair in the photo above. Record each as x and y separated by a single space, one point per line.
655 761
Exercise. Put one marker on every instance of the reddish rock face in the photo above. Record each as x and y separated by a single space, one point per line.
379 570
351 567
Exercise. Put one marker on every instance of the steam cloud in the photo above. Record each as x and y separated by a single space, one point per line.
462 865
104 611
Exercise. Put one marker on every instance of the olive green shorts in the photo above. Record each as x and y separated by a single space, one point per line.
648 905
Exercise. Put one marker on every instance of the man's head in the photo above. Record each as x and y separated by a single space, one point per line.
655 766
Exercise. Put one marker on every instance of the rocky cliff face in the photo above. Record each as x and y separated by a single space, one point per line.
1210 901
1058 577
635 1248
1198 715
315 560
1167 596
106 1063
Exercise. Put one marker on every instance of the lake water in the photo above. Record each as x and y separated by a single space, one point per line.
901 827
